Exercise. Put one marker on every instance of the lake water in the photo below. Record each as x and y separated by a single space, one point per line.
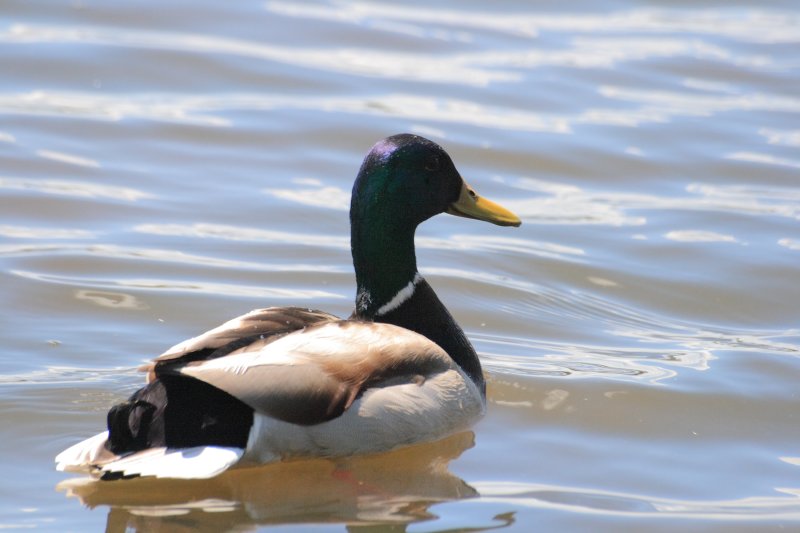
166 167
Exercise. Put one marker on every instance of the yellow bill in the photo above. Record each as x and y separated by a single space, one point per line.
470 205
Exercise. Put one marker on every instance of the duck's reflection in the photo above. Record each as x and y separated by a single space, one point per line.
396 487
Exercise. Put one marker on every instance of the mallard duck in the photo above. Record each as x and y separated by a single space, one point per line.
286 382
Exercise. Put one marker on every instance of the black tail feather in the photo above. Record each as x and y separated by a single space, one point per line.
129 425
178 412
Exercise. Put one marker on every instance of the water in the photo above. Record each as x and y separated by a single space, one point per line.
164 168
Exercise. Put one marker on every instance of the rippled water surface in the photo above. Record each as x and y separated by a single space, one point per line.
164 168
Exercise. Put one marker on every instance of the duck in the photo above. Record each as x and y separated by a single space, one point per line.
282 383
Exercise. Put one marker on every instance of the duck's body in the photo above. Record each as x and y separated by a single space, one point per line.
287 382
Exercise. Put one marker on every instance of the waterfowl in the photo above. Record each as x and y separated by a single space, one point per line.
286 382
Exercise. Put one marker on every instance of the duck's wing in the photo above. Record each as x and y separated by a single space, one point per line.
249 331
311 376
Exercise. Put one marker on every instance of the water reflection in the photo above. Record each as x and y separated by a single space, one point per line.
30 232
690 235
655 355
353 61
397 488
644 347
73 188
64 375
781 137
666 104
244 233
585 361
319 196
792 244
554 203
596 41
133 253
483 243
69 159
750 25
108 107
113 300
767 159
785 506
209 110
196 286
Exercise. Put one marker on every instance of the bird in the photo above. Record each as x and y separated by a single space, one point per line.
289 382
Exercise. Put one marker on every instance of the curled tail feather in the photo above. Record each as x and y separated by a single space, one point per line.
175 427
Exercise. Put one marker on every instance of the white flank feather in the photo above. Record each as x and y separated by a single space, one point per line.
382 419
80 457
200 462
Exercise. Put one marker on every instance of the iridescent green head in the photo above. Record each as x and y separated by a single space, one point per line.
404 180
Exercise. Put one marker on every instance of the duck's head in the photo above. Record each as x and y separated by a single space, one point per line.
406 179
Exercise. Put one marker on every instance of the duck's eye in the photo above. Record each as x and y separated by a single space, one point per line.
432 163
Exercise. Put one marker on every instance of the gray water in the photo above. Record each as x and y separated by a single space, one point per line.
164 168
